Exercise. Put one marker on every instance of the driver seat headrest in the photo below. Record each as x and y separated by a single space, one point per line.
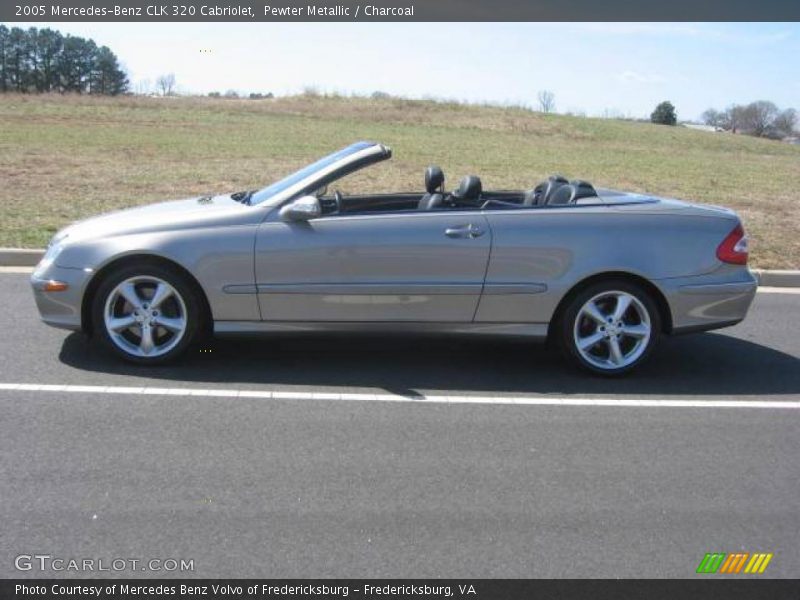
469 189
434 179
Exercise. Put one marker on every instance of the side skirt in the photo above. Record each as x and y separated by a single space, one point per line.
234 328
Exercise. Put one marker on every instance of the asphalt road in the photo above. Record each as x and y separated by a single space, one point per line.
317 488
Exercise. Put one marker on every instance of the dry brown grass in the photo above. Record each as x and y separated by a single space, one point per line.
68 157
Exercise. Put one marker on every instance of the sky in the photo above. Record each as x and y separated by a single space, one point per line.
622 69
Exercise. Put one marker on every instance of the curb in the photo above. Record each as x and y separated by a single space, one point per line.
23 257
20 257
777 278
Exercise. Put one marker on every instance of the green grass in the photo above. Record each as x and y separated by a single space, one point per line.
65 158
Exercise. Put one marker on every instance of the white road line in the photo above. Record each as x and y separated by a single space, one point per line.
417 399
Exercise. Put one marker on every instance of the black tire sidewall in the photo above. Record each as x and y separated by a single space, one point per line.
565 326
172 276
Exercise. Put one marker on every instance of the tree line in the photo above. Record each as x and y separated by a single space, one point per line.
761 118
44 60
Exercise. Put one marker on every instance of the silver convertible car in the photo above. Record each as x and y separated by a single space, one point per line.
602 274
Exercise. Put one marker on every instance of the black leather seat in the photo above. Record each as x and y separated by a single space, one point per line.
434 186
468 193
543 192
571 193
583 189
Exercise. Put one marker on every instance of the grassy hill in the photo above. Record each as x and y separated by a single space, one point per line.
64 158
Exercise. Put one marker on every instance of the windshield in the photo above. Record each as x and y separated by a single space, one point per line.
297 176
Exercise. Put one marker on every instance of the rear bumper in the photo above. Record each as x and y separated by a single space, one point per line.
709 302
60 309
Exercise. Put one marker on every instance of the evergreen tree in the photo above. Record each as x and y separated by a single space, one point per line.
43 60
76 63
107 76
4 45
16 63
49 45
664 114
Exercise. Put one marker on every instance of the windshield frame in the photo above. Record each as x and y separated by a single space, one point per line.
303 178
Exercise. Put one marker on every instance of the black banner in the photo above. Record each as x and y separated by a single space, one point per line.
394 589
398 10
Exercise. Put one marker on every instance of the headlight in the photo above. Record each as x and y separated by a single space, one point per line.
59 237
53 250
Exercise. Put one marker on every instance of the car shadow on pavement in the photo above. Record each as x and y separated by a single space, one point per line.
703 364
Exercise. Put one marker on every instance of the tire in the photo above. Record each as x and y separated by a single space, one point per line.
612 347
146 334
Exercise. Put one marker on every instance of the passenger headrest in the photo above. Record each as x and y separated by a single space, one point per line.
469 188
535 196
583 189
562 195
551 185
434 179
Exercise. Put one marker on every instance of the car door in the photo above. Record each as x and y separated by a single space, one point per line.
403 266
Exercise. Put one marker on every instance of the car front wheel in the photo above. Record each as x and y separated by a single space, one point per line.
147 314
610 327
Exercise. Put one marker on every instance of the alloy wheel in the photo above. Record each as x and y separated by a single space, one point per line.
612 330
145 316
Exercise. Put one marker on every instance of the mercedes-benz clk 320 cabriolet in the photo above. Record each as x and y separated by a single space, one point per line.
602 274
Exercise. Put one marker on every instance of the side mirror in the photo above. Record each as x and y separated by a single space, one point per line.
302 209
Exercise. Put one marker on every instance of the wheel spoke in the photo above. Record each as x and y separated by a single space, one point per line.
589 341
141 328
173 324
120 323
161 293
622 334
636 331
615 352
623 303
147 344
128 291
591 310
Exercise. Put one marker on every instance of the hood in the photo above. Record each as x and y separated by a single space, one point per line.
201 211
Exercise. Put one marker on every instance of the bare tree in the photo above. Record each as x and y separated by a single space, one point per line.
166 84
713 117
547 101
785 122
735 119
758 117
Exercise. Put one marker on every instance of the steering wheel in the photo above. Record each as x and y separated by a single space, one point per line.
337 197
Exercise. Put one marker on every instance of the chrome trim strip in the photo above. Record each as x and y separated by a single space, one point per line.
351 289
501 289
240 288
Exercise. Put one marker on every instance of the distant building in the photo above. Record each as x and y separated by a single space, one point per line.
698 127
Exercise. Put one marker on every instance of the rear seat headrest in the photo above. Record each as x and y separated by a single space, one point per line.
469 188
561 195
434 179
583 189
571 192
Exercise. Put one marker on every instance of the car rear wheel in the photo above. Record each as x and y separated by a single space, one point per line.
146 314
610 327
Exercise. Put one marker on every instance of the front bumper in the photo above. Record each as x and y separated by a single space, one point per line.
60 309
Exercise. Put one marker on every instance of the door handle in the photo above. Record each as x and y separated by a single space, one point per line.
466 231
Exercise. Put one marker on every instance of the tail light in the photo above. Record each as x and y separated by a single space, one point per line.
733 249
